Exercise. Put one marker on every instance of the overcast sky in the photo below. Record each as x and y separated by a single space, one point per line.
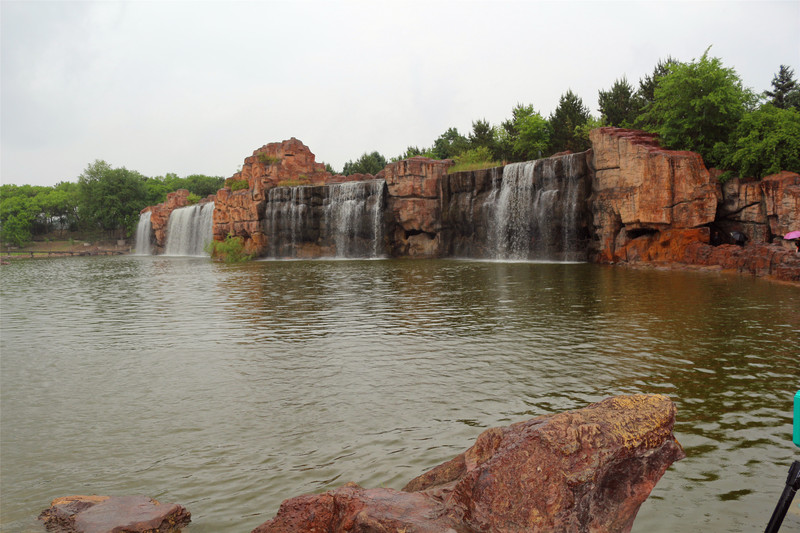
194 87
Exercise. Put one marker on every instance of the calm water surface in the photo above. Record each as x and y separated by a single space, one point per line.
229 388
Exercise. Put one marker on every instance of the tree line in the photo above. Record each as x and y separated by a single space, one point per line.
699 105
105 202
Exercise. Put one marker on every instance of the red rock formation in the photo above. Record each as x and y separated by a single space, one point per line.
240 212
415 204
129 514
584 470
639 186
782 199
658 206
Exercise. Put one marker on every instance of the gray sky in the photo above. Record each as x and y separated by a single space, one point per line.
194 87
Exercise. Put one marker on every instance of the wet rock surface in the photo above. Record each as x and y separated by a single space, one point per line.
583 470
113 514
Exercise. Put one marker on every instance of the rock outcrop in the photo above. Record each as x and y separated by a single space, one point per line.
656 206
414 187
107 514
583 470
640 188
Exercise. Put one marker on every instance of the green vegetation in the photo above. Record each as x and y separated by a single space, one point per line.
698 105
292 183
231 250
619 106
785 93
104 203
764 142
366 164
236 184
267 159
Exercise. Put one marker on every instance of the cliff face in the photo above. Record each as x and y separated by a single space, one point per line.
626 200
652 205
640 188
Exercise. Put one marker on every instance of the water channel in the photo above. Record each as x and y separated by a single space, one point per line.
229 388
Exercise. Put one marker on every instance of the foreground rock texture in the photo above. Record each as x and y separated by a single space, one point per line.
114 514
583 470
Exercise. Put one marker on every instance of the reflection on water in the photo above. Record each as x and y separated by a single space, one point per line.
229 388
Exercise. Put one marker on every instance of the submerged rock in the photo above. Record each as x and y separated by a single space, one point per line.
583 470
114 514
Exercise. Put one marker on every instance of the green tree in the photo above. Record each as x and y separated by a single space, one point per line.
648 84
565 123
482 135
110 199
533 137
785 92
18 214
414 151
449 144
371 163
697 105
619 106
764 142
203 185
506 136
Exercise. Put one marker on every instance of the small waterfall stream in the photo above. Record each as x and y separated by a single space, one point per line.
144 235
535 212
189 230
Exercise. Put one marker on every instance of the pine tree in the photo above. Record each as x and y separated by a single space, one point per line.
786 90
618 106
565 123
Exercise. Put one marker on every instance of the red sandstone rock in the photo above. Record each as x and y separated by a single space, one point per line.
584 470
638 185
782 199
414 187
113 514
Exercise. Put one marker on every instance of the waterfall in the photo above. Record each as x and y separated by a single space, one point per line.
144 231
354 218
288 219
190 229
535 213
334 220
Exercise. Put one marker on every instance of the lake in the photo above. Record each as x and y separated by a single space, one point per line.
229 388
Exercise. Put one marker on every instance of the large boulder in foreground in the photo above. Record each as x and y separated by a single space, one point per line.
114 514
583 470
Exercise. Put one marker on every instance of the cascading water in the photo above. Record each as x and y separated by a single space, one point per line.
144 232
337 219
535 212
354 218
189 230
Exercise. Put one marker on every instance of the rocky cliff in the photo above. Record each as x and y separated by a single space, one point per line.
656 206
627 200
584 470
